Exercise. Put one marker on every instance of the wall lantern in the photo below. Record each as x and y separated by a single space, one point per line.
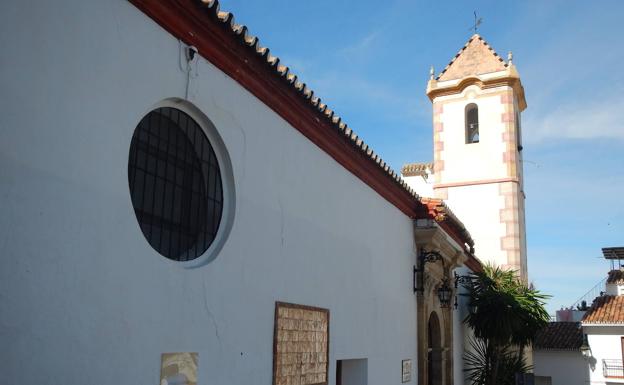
419 271
585 349
444 293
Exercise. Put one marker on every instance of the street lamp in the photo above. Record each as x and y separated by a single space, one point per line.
585 349
444 293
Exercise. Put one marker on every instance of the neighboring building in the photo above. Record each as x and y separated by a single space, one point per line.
557 355
604 325
477 166
565 354
570 315
178 207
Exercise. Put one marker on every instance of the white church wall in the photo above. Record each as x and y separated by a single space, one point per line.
562 366
84 296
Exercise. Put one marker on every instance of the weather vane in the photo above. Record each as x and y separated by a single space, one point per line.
477 22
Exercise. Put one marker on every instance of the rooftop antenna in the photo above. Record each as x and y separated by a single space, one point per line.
477 22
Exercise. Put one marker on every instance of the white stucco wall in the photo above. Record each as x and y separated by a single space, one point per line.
476 179
479 207
422 186
475 161
614 289
85 299
606 344
563 366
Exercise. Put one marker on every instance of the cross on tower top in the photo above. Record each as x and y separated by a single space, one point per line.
477 22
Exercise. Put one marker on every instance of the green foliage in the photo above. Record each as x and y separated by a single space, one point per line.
505 316
480 362
505 311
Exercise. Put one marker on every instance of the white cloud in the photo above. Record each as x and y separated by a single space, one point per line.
603 118
362 46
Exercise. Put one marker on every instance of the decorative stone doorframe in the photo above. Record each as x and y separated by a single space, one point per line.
429 236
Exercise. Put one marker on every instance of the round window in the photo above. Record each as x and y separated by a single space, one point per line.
175 184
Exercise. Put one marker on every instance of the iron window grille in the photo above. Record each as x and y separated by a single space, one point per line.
175 184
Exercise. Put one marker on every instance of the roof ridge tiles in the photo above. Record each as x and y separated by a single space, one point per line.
242 33
227 18
465 46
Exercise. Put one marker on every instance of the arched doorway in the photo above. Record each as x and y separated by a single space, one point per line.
434 351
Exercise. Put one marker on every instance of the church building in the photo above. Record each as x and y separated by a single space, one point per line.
178 207
477 151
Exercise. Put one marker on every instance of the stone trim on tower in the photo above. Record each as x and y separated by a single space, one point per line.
508 118
438 143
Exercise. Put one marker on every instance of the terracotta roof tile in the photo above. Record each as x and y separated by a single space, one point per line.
251 43
227 18
607 309
559 336
476 57
442 213
616 276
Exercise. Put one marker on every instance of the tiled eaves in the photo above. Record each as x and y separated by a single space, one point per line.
606 309
232 49
559 336
253 43
442 213
475 36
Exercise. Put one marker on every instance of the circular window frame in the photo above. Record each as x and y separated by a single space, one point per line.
227 182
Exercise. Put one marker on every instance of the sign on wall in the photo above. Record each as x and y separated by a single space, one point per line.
178 369
300 345
406 370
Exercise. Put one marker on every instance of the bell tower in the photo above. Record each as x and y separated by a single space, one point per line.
477 103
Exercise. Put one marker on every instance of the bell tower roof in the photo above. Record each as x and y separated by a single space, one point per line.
475 58
476 64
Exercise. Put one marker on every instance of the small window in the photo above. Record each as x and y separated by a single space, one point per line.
175 184
472 123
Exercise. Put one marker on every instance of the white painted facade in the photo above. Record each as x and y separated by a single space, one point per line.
612 288
563 367
605 342
85 299
421 184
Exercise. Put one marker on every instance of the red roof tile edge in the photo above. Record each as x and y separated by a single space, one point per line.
238 54
607 310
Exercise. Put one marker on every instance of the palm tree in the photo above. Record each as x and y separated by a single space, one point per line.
505 316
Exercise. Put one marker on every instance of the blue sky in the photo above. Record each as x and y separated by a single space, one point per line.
369 62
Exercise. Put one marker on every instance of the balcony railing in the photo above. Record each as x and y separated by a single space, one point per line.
612 368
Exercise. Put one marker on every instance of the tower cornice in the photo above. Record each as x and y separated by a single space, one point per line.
509 77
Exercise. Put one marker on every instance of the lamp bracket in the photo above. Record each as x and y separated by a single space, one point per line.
423 258
461 279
